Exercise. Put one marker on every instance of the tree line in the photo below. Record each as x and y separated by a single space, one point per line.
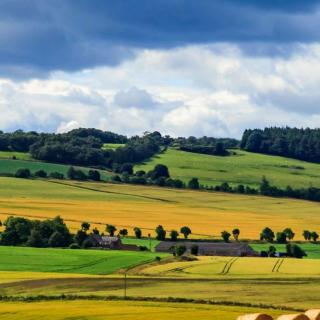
302 144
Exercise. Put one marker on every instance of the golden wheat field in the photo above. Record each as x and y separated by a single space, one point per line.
207 213
119 310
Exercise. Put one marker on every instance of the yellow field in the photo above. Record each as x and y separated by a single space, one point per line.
206 267
119 310
128 206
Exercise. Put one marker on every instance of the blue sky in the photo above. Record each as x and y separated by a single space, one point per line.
183 67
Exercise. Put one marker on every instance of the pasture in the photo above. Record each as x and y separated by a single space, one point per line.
242 168
10 167
15 155
70 261
128 206
120 310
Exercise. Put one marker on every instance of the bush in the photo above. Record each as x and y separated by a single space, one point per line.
87 243
23 173
194 250
56 240
74 246
40 174
293 250
143 248
179 250
94 175
194 184
56 175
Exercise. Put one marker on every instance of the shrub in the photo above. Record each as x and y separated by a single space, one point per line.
225 236
194 250
281 237
94 175
87 243
179 250
74 246
137 232
143 248
161 233
23 173
293 250
194 184
56 240
56 175
41 174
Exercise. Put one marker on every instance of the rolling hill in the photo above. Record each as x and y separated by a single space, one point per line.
242 168
128 206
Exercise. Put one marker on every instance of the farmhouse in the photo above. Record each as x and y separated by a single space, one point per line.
210 248
113 243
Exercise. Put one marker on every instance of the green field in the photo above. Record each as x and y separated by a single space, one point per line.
16 155
9 167
70 261
152 243
243 168
312 250
112 146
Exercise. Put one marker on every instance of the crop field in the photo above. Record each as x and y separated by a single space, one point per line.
206 267
112 146
243 168
9 167
70 261
206 213
120 310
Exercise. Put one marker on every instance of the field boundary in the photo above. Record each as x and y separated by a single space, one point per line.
63 297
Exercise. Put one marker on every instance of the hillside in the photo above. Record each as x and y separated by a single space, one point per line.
242 168
207 213
9 167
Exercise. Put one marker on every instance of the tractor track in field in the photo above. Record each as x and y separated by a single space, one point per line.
111 192
228 265
277 265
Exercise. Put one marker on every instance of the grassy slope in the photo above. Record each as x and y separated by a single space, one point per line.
119 310
244 167
128 206
8 166
69 261
17 155
112 146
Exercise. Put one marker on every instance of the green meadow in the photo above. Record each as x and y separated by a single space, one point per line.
9 167
242 168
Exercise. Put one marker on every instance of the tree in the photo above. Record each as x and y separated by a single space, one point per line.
23 173
123 232
85 226
225 236
194 250
306 235
137 232
160 170
94 175
80 237
194 184
267 234
161 233
314 236
174 235
264 186
56 240
41 174
281 237
289 233
293 250
186 231
272 251
179 250
126 167
111 229
35 239
236 233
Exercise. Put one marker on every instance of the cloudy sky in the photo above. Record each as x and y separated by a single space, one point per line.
183 67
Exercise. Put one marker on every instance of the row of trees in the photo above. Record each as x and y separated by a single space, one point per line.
286 235
72 173
303 144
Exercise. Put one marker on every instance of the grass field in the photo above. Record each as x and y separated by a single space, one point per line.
128 206
312 250
149 243
8 166
243 168
120 310
70 261
112 146
17 155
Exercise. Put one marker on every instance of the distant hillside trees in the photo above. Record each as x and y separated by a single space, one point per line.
303 144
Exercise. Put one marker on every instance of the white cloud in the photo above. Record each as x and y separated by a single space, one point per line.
213 90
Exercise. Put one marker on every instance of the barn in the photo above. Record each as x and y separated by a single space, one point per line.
210 248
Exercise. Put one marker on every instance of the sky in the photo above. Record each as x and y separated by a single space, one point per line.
182 67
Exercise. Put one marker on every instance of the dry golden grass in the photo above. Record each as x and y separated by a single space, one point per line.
128 206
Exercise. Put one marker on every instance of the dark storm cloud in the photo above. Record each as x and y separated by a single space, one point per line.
40 36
